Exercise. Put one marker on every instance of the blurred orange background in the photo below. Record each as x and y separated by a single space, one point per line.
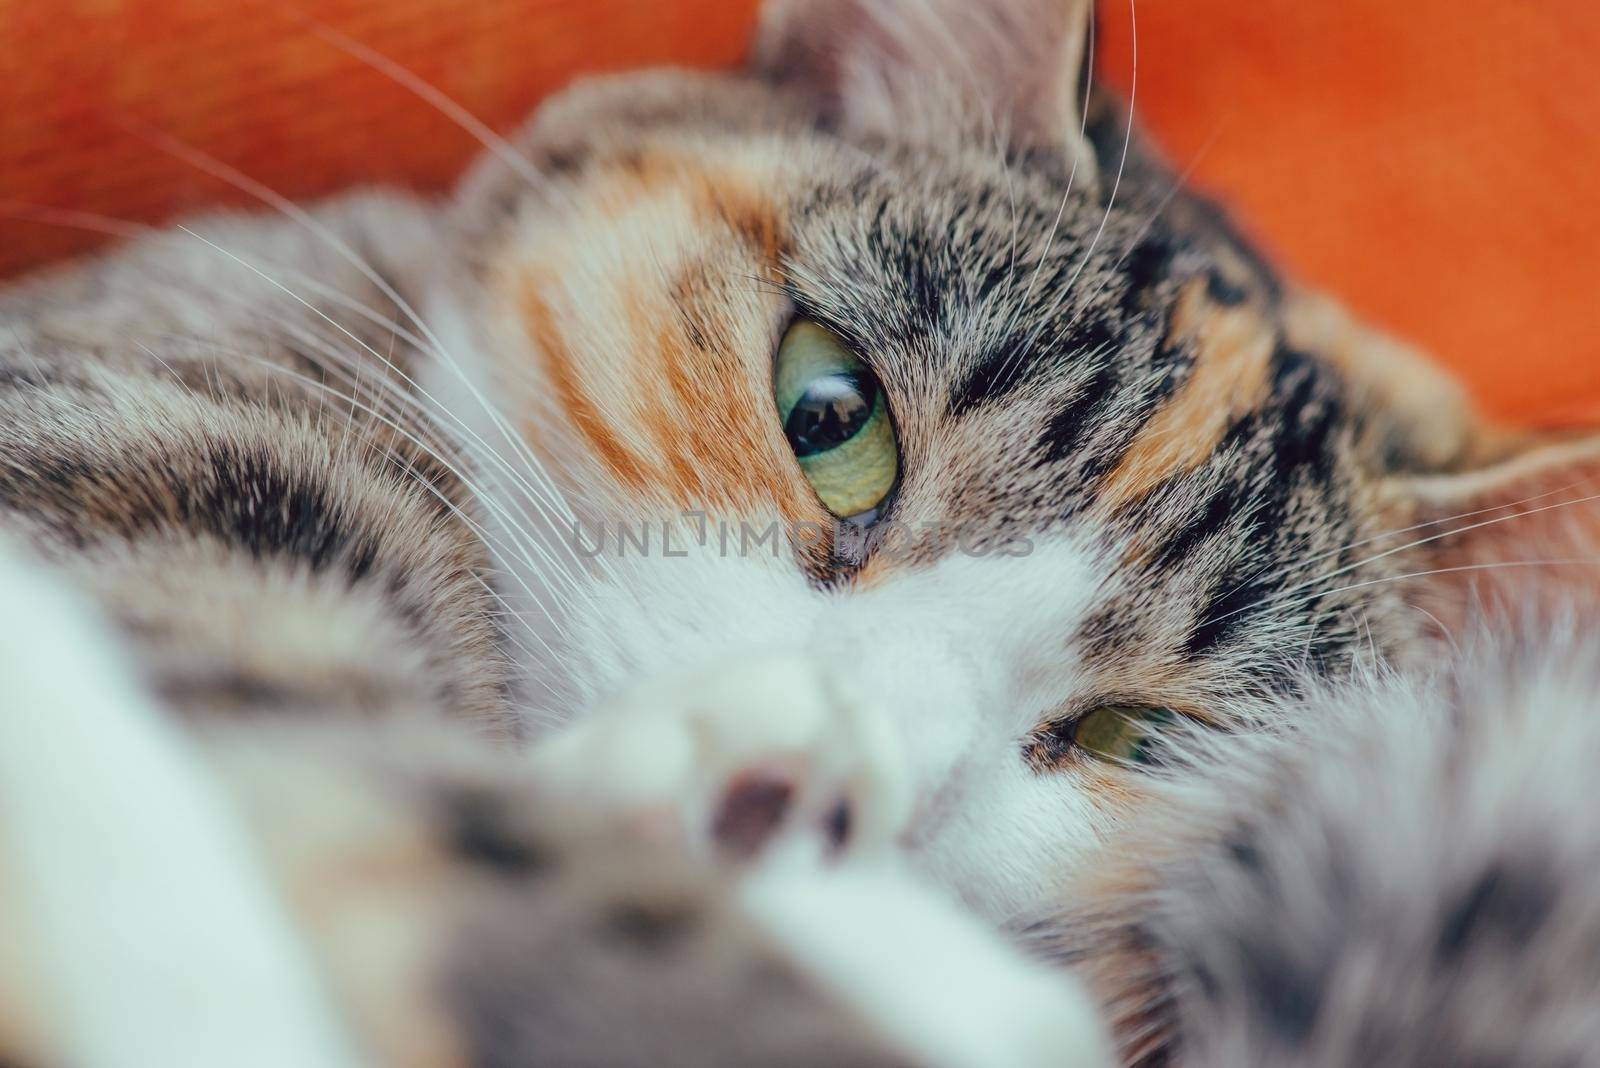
1429 161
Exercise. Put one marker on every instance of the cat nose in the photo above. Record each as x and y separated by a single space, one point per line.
770 753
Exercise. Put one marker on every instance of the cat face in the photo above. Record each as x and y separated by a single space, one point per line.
893 357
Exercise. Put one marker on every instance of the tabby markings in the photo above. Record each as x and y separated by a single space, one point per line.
670 388
1230 376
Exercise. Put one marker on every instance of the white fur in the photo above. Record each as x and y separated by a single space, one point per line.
950 667
934 982
678 745
958 661
158 942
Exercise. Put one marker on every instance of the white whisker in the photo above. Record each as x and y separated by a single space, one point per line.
1578 561
1453 532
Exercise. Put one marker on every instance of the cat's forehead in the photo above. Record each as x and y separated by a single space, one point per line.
1057 351
972 275
1064 345
1067 361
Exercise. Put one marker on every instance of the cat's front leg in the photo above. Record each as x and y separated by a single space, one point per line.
777 764
925 974
776 750
137 925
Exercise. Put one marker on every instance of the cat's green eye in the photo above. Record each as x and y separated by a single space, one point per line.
836 419
1122 734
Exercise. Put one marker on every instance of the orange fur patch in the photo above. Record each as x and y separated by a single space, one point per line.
672 392
1232 356
567 379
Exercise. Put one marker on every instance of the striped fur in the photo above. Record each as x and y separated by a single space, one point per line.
175 437
325 476
1403 877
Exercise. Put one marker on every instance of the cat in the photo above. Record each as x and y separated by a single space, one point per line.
1407 875
326 892
835 479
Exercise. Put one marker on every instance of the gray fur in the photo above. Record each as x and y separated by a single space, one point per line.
218 434
203 429
1405 877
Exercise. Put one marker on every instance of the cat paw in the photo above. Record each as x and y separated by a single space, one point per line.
773 753
928 976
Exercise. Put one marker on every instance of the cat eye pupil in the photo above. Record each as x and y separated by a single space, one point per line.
834 414
830 412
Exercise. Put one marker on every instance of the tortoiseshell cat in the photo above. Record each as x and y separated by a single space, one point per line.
678 602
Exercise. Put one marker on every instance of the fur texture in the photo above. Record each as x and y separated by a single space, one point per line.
1404 876
333 482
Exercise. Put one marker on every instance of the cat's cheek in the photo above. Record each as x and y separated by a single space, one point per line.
951 662
1011 837
630 336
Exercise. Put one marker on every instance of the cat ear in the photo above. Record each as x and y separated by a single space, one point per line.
1512 539
1417 418
906 67
1507 519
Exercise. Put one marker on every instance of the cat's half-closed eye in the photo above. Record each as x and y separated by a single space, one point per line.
1122 734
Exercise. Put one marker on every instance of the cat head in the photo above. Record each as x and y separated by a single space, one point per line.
901 352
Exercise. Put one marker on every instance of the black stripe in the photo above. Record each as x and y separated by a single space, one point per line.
1312 412
1223 291
915 258
1015 361
1091 336
1228 608
481 827
1222 509
998 374
1067 431
245 497
230 688
1506 903
1296 436
251 499
1209 220
1145 269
